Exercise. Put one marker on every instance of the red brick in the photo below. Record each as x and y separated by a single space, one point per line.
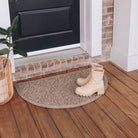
104 10
110 35
104 35
23 69
19 77
75 58
87 56
108 29
105 17
34 75
69 60
63 61
50 64
37 67
43 65
30 67
17 70
108 3
110 9
56 61
107 23
107 41
81 58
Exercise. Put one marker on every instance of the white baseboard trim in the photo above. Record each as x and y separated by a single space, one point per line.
127 63
132 62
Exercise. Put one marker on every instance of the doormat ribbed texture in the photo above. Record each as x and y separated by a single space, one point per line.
57 91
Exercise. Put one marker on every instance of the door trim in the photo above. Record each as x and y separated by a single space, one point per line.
91 35
91 26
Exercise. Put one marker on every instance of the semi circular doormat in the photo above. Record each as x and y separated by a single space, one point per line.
56 91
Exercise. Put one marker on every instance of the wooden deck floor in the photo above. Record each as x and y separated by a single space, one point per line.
113 115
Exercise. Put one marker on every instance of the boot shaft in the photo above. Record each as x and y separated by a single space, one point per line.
97 74
96 66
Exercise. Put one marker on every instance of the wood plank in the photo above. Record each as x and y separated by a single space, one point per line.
128 93
84 123
131 74
136 70
121 76
129 109
44 122
107 126
65 124
8 127
23 117
121 119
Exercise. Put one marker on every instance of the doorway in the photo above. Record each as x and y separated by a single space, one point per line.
46 23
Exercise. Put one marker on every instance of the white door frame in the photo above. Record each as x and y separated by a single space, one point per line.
90 26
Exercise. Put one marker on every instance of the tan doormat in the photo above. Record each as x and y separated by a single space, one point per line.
57 91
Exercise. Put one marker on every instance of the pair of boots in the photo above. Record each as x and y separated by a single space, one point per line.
93 83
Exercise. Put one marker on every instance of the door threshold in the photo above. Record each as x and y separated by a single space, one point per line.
48 56
38 52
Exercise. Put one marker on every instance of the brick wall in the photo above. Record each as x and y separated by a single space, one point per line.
108 9
57 65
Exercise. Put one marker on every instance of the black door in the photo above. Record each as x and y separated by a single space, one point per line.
46 23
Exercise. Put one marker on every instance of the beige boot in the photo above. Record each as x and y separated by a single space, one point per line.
83 81
94 85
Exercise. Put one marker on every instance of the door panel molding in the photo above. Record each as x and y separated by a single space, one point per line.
59 18
47 18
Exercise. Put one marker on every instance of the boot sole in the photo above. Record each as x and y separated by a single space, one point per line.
100 92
